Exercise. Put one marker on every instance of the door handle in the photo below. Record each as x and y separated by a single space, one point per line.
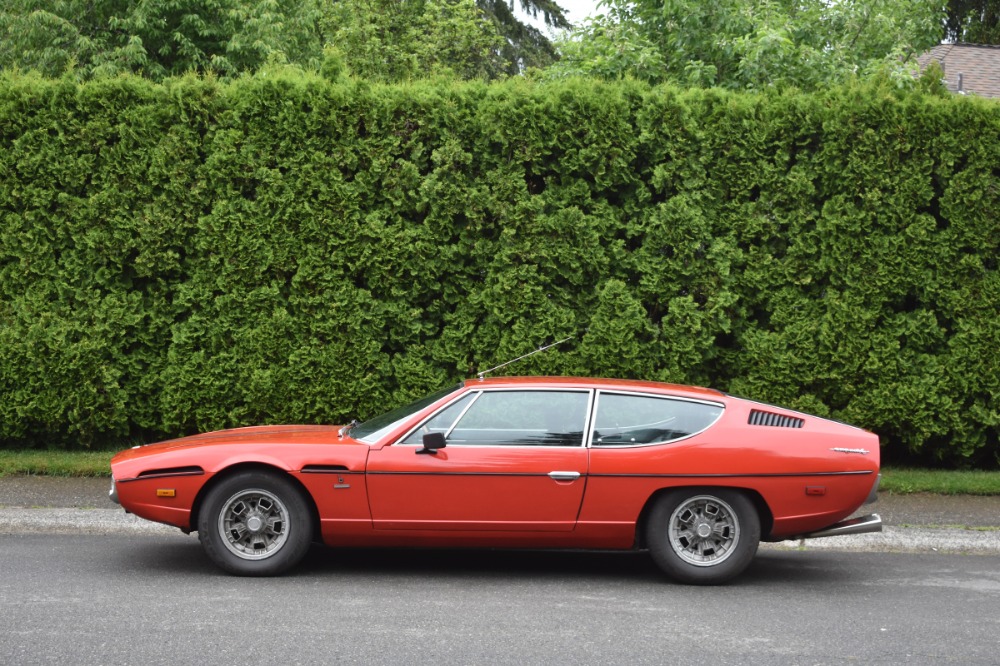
564 476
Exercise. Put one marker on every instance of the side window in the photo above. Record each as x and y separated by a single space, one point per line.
628 420
440 422
523 418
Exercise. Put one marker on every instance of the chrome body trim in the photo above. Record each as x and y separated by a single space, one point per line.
477 394
729 475
592 425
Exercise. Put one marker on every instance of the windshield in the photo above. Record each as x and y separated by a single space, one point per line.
374 429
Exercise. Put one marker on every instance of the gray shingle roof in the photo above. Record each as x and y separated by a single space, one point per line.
978 67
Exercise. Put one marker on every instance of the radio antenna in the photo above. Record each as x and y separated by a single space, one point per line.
482 375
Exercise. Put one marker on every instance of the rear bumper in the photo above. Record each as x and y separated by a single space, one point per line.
873 495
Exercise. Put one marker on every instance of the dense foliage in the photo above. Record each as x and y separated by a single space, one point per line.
388 40
973 21
191 255
157 38
808 44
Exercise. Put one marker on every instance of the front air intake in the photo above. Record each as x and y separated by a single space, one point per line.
761 418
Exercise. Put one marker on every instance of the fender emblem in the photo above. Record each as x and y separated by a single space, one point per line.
863 452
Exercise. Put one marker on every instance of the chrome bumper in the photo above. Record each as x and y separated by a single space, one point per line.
113 493
873 495
862 525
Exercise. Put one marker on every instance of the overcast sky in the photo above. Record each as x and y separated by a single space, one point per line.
576 11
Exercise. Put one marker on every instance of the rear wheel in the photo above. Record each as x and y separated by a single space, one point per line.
703 536
255 524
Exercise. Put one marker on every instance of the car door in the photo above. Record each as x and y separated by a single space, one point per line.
514 460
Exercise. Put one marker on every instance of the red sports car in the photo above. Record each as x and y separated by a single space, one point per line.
696 476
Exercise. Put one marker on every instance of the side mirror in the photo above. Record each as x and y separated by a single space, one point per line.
432 442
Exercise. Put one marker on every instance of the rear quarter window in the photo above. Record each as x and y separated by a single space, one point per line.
634 420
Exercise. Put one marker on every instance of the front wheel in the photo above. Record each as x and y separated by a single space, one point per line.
703 536
255 524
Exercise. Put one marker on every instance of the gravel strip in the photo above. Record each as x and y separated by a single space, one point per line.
891 539
905 540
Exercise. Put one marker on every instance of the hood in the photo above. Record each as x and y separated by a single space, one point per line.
275 434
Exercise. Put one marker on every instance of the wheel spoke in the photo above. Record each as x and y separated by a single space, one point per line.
238 530
275 525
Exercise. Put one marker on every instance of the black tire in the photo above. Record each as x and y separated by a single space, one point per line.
703 536
255 523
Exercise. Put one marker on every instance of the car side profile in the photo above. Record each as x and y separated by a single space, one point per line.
697 477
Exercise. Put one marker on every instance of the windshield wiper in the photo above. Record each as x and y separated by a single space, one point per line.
347 428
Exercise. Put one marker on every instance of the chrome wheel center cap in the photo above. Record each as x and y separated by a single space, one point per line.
254 524
704 530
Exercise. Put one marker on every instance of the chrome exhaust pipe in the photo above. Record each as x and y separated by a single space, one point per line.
862 525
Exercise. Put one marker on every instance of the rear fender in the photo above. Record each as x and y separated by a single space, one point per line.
763 511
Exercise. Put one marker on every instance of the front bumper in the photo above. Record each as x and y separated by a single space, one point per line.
113 493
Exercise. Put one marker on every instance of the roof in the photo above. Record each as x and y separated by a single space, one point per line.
588 382
968 68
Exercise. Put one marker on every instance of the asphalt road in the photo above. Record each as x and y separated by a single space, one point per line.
154 599
84 584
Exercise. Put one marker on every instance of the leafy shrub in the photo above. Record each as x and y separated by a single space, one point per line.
191 255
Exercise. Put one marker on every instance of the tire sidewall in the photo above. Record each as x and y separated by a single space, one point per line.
665 557
299 524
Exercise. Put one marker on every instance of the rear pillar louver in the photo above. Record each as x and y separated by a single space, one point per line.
761 418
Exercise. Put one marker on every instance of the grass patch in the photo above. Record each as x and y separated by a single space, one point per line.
941 482
56 463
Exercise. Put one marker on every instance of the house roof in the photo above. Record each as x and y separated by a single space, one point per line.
968 68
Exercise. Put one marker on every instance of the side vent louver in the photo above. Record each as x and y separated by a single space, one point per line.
193 470
759 418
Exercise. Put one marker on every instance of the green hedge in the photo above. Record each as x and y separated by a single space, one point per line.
193 255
